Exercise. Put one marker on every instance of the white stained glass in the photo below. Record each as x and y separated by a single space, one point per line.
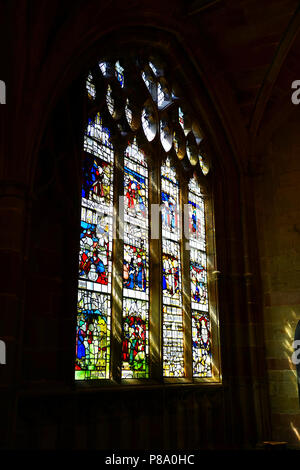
153 68
109 100
161 96
119 73
181 117
165 136
96 130
148 126
148 81
91 89
173 345
103 67
134 153
128 113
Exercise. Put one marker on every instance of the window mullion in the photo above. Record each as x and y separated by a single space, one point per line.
155 272
117 277
212 281
186 284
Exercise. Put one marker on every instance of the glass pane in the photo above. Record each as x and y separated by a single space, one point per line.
119 73
201 341
95 255
135 354
90 87
173 346
92 336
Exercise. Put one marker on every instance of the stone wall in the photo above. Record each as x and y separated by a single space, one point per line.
278 222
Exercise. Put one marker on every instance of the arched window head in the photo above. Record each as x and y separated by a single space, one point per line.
144 282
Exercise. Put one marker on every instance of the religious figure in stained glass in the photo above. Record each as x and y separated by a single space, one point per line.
135 268
91 89
135 339
96 180
173 352
171 286
94 253
94 276
92 337
135 356
201 345
135 192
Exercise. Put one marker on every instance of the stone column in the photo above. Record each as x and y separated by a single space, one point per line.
13 237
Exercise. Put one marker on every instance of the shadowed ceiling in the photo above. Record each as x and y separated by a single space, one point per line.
248 51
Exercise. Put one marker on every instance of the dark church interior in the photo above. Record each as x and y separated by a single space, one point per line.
237 63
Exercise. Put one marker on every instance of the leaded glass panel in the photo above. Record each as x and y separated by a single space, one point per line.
95 255
173 345
201 343
135 354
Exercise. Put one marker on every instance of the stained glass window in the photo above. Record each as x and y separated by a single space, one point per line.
104 67
148 124
91 89
135 343
153 68
201 341
128 113
95 264
148 81
160 95
143 304
173 352
119 73
181 117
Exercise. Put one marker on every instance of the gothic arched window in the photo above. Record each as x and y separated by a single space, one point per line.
146 294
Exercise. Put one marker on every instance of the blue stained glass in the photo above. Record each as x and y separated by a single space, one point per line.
96 130
96 184
135 268
119 73
168 173
136 175
136 155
